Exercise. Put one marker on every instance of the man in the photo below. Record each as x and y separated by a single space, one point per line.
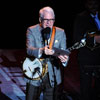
89 56
38 46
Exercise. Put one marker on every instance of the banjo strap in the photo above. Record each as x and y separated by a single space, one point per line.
52 37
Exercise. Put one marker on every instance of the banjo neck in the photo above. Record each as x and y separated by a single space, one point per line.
78 45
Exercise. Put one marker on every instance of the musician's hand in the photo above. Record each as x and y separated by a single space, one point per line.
63 58
97 38
48 51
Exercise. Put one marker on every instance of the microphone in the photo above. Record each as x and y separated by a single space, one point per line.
46 34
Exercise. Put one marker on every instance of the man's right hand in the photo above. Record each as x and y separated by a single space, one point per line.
48 51
97 38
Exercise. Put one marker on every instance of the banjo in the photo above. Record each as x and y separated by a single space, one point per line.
36 69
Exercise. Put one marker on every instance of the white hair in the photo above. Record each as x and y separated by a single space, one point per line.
46 9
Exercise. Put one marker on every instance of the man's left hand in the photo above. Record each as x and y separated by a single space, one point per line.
63 58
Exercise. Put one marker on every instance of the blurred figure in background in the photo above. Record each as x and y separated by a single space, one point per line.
89 56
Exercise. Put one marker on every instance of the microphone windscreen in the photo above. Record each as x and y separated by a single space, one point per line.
46 32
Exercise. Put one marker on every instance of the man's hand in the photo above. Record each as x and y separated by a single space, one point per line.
48 51
97 38
63 58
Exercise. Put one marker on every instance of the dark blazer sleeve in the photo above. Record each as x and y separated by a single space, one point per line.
83 24
78 31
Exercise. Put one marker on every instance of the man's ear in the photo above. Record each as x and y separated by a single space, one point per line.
39 19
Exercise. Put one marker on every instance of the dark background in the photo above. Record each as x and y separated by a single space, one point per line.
17 16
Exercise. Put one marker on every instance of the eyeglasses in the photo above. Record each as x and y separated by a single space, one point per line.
48 20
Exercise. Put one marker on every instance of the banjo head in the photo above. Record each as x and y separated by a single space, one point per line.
35 69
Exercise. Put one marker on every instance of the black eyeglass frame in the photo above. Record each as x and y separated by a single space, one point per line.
48 19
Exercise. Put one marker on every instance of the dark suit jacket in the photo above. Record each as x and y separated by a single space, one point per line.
83 23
